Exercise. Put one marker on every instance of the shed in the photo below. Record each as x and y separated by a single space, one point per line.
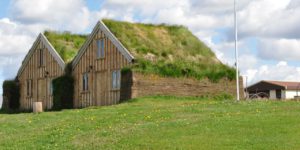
274 90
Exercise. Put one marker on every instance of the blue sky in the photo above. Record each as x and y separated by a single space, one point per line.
269 38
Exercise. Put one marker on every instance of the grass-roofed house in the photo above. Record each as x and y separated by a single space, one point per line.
45 61
121 60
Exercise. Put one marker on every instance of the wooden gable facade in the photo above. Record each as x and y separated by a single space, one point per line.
97 67
40 66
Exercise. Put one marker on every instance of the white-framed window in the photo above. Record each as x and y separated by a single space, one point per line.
116 79
100 48
85 82
41 60
29 87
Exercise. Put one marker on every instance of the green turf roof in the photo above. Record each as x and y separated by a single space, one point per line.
65 43
168 50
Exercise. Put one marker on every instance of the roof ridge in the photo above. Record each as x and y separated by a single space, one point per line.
281 81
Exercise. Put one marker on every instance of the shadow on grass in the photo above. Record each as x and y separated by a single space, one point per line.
11 111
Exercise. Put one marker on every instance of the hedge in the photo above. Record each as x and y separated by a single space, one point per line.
63 90
11 94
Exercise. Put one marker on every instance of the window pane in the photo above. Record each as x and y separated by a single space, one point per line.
27 84
87 82
98 48
114 80
102 48
31 87
51 87
83 82
41 57
118 79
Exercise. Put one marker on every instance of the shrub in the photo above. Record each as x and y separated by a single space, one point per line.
63 90
126 70
11 92
223 96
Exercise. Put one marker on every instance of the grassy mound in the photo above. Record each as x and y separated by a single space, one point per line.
66 44
166 50
158 123
169 51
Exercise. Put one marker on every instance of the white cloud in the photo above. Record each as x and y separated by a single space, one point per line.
279 49
56 14
15 41
281 71
273 22
269 18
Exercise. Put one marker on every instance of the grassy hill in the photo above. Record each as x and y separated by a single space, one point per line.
169 50
158 123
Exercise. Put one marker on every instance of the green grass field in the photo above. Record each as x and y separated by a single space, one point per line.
158 123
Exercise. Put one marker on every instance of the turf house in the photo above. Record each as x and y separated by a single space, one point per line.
40 66
119 61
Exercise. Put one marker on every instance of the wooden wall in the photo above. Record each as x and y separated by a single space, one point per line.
40 79
99 73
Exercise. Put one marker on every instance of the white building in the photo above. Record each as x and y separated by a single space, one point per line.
274 90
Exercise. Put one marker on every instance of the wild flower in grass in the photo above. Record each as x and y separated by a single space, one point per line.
147 117
92 118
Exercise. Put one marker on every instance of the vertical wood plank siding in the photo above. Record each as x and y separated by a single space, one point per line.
99 71
38 75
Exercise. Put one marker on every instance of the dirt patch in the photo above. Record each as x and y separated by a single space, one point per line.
163 35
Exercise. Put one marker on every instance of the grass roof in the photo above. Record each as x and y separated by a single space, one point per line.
66 44
166 50
169 50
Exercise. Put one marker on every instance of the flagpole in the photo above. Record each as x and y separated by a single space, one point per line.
236 54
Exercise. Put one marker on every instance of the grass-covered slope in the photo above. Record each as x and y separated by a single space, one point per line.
66 44
159 123
169 50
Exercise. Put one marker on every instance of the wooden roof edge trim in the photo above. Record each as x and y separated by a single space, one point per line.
26 58
265 82
52 51
115 41
253 84
84 47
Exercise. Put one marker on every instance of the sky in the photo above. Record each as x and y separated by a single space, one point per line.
269 38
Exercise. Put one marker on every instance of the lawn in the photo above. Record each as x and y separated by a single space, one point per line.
159 123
